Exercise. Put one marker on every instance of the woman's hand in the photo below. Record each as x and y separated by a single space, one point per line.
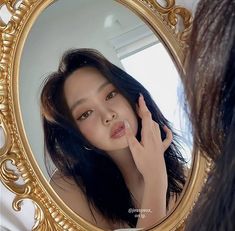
149 153
149 159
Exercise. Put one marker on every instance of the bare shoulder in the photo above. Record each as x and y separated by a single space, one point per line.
72 195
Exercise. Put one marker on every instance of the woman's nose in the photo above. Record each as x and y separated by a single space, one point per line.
109 116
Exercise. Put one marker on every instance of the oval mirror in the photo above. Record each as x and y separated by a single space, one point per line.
134 37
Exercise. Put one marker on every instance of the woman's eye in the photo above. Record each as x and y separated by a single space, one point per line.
84 115
111 95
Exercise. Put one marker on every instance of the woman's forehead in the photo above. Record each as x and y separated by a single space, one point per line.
83 83
87 70
86 75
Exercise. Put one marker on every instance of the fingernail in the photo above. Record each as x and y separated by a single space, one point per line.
165 127
141 96
126 123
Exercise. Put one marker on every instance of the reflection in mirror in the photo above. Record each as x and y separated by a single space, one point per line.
119 191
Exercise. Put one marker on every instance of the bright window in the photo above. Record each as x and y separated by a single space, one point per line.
154 68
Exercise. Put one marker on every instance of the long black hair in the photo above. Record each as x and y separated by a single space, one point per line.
210 94
93 170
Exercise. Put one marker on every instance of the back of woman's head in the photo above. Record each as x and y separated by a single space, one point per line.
210 92
210 70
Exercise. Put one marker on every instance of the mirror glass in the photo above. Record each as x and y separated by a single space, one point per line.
121 36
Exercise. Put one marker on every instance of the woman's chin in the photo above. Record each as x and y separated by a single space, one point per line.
124 148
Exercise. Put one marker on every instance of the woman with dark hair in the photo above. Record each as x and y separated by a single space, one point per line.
117 163
210 93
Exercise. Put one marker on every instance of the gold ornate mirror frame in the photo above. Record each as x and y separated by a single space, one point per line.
50 211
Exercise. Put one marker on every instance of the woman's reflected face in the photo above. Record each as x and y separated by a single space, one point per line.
98 109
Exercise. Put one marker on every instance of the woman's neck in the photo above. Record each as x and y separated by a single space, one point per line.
125 162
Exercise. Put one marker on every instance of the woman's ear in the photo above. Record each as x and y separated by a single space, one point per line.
137 109
137 106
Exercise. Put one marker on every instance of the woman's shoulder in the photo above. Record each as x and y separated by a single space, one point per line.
73 196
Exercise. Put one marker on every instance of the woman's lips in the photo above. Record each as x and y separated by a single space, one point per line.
118 130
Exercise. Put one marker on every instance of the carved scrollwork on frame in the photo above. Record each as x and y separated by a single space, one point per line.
48 214
10 153
170 13
177 20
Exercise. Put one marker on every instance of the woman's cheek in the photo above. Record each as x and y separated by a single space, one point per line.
89 130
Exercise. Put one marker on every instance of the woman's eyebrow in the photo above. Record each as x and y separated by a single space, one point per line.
84 99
